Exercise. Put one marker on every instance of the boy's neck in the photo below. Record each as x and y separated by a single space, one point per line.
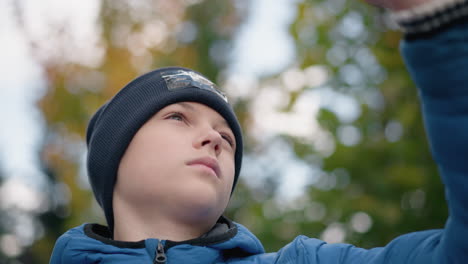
135 224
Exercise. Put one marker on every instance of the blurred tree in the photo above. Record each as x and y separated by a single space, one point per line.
374 178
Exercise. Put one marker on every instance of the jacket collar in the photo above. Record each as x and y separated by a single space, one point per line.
225 235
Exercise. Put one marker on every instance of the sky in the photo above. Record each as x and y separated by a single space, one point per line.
21 84
263 45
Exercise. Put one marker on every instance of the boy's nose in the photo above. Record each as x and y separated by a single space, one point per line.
210 139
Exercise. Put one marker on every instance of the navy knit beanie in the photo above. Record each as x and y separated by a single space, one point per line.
113 126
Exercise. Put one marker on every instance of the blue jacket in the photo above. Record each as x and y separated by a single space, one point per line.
439 66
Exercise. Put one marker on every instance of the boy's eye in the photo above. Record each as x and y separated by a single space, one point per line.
176 116
228 139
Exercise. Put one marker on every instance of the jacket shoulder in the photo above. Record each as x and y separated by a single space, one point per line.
89 243
59 253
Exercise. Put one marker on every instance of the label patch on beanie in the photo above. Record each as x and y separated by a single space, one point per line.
180 79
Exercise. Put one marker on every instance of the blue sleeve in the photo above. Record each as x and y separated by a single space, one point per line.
439 67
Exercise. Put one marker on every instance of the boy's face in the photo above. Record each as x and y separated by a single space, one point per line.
180 163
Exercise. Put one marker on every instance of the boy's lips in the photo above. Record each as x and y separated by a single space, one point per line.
208 162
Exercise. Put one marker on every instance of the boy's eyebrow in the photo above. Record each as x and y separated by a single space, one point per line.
187 106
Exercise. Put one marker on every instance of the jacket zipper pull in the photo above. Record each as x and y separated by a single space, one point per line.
160 257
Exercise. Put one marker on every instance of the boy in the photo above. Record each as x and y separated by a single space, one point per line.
164 155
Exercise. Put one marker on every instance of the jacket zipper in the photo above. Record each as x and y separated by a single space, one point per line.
160 257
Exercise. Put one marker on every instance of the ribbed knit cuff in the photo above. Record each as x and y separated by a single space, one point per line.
430 17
